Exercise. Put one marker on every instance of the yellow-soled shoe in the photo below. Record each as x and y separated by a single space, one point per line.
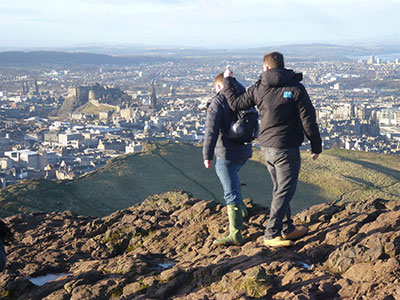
277 242
296 234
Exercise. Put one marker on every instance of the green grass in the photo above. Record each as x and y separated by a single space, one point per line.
89 108
354 175
129 179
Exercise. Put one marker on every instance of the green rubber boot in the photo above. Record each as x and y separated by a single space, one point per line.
235 226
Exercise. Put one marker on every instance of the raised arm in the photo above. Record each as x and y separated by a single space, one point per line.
244 101
309 121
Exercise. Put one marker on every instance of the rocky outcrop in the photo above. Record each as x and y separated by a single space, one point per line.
162 249
77 96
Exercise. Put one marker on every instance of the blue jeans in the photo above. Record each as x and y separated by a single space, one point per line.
283 166
227 171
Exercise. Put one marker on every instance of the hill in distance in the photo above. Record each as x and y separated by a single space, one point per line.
131 54
129 179
51 58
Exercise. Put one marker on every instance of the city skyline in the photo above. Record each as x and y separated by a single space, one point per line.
196 23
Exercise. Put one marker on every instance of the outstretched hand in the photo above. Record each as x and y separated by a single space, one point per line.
228 72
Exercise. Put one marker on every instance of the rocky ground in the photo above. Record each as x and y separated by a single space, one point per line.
162 249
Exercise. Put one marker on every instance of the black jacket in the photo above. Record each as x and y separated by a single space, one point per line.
285 108
218 121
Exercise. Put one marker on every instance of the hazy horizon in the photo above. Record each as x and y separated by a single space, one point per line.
138 46
196 23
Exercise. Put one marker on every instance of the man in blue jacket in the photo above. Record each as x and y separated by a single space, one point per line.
286 115
231 156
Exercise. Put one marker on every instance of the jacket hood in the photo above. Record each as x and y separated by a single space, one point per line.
279 77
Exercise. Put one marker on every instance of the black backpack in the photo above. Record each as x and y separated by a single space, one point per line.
245 127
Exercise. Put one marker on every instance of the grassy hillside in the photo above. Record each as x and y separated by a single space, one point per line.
90 108
129 179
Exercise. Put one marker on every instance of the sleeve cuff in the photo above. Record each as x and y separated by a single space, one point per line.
316 149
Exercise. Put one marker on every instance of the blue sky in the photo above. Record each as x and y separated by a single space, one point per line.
204 23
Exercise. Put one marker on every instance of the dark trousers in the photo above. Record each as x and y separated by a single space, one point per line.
283 166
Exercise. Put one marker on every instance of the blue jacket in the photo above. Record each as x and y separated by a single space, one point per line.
218 121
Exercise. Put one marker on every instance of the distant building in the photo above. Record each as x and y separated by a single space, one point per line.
134 147
77 116
51 137
65 138
36 87
159 121
371 59
153 97
47 158
6 163
127 113
64 172
24 88
50 172
343 112
389 117
114 145
31 159
104 115
96 94
171 91
25 158
92 95
147 129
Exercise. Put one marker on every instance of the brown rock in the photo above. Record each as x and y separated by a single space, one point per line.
163 248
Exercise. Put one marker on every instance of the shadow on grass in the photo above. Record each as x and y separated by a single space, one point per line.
362 182
306 195
375 167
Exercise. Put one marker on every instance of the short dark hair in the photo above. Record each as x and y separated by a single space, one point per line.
274 60
219 78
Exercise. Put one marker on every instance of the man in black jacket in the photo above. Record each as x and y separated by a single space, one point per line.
286 114
231 156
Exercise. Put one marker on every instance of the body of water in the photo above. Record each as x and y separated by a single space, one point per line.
41 280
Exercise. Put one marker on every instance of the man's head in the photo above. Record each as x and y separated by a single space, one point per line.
219 82
273 60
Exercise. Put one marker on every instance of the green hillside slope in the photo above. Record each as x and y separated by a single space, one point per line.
90 108
129 179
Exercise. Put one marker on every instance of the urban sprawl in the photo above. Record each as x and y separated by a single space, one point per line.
64 122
